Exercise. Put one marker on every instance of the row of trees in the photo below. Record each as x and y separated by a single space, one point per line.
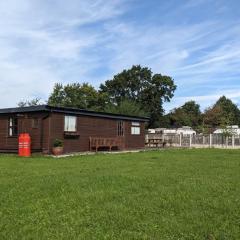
137 91
224 112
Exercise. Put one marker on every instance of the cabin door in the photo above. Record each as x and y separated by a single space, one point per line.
22 125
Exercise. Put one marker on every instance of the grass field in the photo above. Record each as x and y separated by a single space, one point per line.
171 194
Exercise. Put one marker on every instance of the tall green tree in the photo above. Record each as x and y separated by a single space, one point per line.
57 97
188 114
139 85
126 107
212 118
77 95
223 112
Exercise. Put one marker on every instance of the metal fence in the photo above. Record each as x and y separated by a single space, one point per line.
197 141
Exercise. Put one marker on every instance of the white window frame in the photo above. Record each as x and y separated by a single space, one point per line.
12 127
68 126
135 128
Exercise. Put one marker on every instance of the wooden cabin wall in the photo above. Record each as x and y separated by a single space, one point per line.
134 141
25 124
93 127
51 127
86 127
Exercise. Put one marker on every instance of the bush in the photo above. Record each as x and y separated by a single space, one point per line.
58 143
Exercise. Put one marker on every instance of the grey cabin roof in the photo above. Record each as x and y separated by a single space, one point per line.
72 111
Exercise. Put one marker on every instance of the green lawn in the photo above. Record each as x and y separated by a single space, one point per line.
171 194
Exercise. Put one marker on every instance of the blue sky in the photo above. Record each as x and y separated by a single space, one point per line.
197 42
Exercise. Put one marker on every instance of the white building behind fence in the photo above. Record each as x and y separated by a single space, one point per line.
185 130
231 130
186 137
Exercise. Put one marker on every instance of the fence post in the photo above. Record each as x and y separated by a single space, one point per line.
180 139
233 141
190 140
210 140
203 140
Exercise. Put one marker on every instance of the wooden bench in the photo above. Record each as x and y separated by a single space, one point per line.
97 142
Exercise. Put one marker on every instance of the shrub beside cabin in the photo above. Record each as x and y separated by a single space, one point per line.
80 130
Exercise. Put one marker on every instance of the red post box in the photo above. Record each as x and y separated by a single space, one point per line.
24 145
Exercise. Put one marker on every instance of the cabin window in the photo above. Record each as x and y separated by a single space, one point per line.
135 128
35 123
120 128
13 126
70 124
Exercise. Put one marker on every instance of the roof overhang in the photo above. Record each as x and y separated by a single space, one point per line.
72 111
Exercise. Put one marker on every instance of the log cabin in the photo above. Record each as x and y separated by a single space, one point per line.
79 130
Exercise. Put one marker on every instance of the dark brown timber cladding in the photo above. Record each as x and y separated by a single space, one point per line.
45 124
92 127
39 140
134 141
6 142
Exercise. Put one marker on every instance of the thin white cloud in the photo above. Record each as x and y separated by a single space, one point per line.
40 44
43 42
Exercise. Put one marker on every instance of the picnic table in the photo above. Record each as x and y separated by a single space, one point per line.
155 142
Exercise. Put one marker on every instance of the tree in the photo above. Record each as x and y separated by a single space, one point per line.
165 121
126 107
77 95
139 85
212 117
28 103
230 111
57 97
224 112
187 115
